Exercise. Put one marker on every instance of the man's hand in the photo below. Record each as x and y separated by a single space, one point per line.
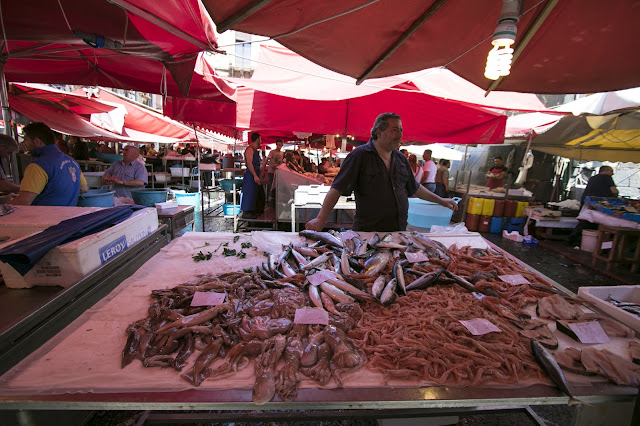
449 203
256 179
315 225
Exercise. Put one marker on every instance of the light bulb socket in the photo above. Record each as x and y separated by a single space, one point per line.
505 33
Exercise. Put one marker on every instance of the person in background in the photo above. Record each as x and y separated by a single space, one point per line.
381 179
405 153
600 185
251 178
270 164
415 168
324 166
496 174
429 171
126 173
8 146
80 150
61 144
52 178
442 178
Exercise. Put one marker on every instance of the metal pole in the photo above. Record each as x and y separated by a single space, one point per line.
464 163
6 117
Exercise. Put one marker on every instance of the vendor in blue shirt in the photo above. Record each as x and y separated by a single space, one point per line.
52 178
382 180
127 173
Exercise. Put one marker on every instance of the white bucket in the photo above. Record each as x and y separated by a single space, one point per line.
589 240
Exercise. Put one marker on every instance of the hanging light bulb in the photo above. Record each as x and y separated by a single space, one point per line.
500 57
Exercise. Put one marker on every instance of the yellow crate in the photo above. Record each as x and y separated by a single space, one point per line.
487 207
520 208
475 205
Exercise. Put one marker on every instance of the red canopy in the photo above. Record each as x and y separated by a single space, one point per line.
290 94
73 102
568 46
142 40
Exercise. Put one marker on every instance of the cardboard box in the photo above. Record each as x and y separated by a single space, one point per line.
69 263
623 293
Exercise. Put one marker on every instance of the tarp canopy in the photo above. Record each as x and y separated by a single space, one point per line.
437 151
568 46
303 97
613 135
73 102
145 44
282 72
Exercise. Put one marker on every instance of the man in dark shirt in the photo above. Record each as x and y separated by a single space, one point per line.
496 174
600 185
381 179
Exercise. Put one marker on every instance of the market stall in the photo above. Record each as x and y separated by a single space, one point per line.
68 279
61 374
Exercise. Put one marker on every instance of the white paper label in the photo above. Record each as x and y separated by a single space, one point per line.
320 277
480 326
607 245
516 279
207 298
416 257
311 316
589 332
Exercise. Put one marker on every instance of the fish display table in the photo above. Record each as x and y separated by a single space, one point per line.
177 218
80 368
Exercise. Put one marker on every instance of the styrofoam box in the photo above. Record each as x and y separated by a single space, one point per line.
69 263
180 171
624 293
310 194
29 219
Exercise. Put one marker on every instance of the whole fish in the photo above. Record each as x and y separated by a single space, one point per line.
349 245
318 261
299 258
398 274
325 237
440 248
550 365
287 269
374 240
356 282
362 247
387 238
391 245
335 293
344 286
378 286
307 251
314 295
329 305
344 262
389 293
425 280
377 263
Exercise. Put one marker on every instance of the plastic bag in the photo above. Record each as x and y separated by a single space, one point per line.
458 228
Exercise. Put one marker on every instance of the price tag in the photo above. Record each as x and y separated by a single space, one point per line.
514 279
607 245
416 257
480 326
207 298
311 316
347 235
320 277
589 332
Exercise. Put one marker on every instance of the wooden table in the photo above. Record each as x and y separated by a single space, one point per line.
177 218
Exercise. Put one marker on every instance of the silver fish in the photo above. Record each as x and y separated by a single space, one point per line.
550 365
398 274
378 286
273 262
388 237
389 293
362 248
377 263
425 280
391 245
344 262
287 269
299 258
325 237
335 293
374 240
314 295
307 251
345 286
318 261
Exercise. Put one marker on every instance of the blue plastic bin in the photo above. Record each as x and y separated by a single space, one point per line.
228 209
496 225
513 224
96 198
188 199
148 197
425 214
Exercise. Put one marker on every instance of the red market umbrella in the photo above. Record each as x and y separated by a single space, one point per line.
568 46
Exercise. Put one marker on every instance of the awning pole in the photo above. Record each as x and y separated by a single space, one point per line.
464 163
6 117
